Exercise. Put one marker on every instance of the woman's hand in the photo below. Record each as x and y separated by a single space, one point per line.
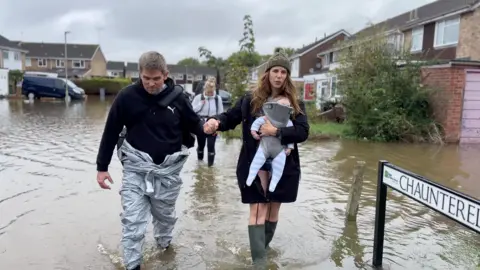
211 126
268 129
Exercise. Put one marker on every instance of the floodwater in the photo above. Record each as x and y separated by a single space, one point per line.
54 216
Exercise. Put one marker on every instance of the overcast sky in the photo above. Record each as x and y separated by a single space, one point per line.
177 28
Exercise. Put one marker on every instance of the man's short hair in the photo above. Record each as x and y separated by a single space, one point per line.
152 61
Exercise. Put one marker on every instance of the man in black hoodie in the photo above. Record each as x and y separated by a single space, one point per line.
153 153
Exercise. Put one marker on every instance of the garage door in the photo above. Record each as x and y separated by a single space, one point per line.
471 109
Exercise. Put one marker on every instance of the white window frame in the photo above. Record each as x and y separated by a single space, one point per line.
61 62
28 62
199 77
5 55
80 62
189 77
333 92
417 33
179 76
16 56
42 62
440 27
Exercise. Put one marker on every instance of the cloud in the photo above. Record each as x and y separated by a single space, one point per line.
177 28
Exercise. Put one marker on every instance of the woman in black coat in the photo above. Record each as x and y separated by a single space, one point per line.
265 205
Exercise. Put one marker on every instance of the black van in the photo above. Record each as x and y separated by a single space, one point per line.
53 87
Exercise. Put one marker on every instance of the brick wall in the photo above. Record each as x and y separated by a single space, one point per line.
469 36
447 100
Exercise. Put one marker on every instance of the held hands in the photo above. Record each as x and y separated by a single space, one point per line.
101 177
267 129
211 126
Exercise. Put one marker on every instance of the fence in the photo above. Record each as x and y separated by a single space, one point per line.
452 204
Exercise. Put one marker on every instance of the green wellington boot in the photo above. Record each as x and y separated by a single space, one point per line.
256 234
270 228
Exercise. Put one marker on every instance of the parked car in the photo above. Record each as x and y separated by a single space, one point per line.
40 86
226 96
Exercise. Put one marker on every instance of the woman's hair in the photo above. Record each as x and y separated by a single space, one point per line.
210 79
264 91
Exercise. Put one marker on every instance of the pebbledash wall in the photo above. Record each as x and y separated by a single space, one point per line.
449 80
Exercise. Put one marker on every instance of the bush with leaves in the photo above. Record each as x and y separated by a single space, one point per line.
383 94
112 86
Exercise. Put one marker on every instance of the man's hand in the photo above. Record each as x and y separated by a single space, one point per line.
255 134
268 129
211 126
288 151
101 177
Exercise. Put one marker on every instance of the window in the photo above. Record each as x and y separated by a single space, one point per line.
178 76
395 41
5 55
42 62
189 77
199 78
323 85
28 62
78 64
16 56
333 86
417 39
447 32
60 63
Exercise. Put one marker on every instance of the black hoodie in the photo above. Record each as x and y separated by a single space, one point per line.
152 129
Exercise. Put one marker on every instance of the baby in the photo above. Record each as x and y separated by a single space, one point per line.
278 112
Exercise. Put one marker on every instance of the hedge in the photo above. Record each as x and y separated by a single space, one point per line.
112 86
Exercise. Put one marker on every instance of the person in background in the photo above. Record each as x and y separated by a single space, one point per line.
264 204
207 104
159 120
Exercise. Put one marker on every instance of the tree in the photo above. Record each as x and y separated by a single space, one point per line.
286 50
383 94
189 61
240 62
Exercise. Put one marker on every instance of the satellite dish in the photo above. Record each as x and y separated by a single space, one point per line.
311 70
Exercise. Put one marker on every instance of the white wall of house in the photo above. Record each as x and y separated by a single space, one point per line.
114 73
12 59
295 73
3 82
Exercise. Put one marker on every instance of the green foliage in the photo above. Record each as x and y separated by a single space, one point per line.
383 94
112 86
190 61
15 76
240 62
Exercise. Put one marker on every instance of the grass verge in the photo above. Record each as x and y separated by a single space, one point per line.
318 131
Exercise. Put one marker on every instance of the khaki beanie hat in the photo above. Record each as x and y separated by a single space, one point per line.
278 59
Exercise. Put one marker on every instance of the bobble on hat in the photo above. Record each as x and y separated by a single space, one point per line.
278 59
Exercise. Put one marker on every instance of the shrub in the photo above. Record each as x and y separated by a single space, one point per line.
383 94
112 86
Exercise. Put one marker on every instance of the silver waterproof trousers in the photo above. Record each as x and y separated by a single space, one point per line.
139 173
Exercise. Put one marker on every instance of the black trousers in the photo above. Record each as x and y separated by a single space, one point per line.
206 139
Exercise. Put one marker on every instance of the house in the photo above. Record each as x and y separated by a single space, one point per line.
183 75
305 60
442 30
115 69
83 60
12 56
131 70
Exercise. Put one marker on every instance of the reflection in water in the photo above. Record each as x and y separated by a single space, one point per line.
53 215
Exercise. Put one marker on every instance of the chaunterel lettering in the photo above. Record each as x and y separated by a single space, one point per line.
450 204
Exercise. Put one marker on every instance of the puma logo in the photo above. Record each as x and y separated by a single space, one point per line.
171 109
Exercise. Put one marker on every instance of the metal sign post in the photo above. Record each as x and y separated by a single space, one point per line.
453 204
